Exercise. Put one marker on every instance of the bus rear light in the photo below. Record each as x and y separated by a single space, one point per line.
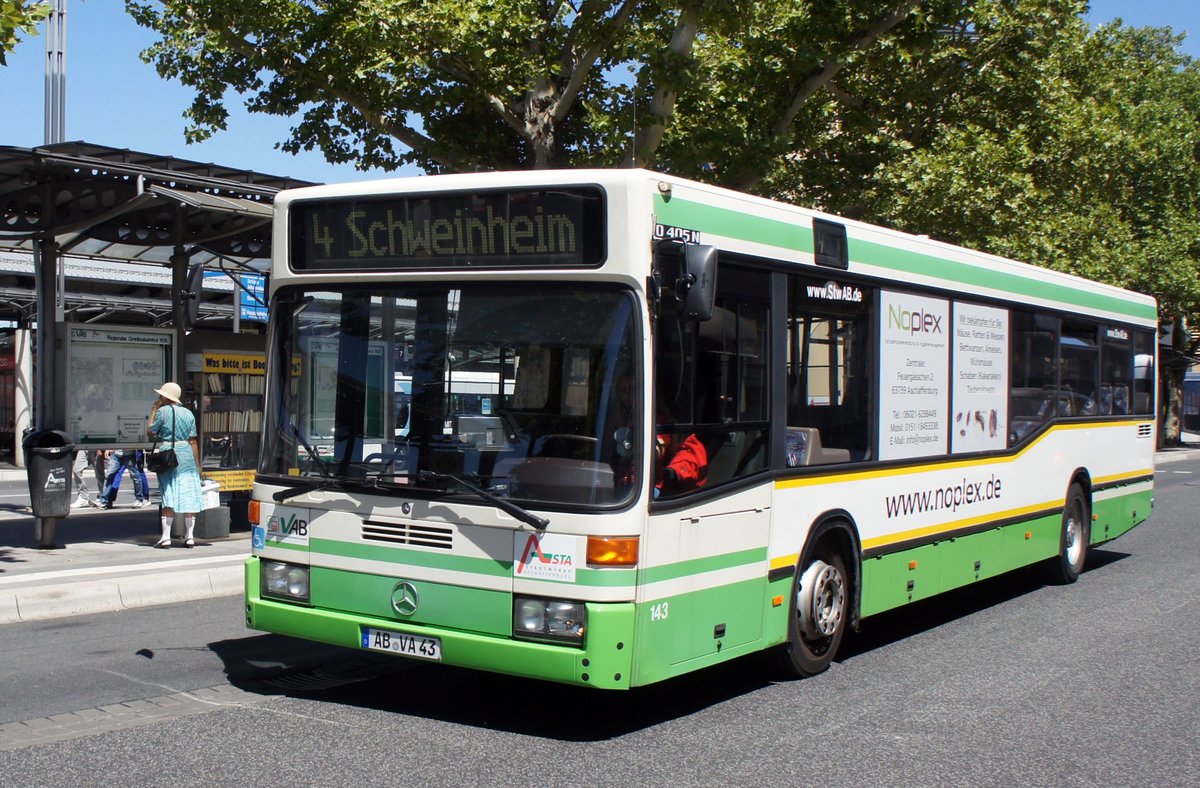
612 550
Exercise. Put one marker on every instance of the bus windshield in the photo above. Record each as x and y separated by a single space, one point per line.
523 392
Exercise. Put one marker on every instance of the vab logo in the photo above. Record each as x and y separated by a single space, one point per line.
287 526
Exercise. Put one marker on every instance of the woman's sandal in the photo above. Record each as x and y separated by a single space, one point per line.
163 544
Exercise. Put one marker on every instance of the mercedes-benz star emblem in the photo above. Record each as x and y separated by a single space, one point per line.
405 598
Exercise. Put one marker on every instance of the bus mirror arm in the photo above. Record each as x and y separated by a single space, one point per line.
507 507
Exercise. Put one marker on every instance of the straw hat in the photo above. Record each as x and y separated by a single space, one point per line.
170 390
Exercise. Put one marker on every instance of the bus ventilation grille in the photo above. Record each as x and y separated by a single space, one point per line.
1145 430
408 533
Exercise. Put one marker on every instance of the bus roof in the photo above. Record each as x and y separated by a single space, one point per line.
755 226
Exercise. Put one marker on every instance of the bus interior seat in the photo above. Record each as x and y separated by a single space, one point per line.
803 447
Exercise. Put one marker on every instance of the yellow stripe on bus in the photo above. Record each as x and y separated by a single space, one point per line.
786 561
884 473
955 525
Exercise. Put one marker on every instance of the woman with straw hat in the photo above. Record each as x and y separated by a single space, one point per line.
175 428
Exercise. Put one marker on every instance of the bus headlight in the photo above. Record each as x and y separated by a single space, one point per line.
284 581
549 619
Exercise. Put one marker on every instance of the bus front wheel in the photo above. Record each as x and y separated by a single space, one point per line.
820 610
1073 539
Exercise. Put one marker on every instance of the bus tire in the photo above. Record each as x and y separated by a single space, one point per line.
1073 539
820 611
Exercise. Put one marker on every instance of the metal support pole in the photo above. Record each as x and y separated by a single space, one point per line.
56 73
179 283
51 368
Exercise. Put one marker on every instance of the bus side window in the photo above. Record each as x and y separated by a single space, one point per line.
1033 373
828 387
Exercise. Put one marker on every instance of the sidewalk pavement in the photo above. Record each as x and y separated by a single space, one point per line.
108 562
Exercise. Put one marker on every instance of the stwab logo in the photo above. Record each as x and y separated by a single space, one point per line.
919 322
548 557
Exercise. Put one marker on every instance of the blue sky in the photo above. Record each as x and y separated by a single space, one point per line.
114 99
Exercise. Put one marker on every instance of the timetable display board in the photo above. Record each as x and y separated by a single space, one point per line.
112 372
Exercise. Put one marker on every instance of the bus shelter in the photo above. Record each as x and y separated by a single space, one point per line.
97 207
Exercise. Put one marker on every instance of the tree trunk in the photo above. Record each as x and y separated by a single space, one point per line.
1170 430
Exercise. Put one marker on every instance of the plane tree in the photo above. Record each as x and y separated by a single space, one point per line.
17 18
461 85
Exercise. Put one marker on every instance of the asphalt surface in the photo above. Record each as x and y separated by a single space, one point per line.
106 561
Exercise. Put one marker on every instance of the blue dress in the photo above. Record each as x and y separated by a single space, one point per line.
180 486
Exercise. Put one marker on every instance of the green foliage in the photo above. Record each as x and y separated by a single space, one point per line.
490 84
17 17
1003 125
1092 166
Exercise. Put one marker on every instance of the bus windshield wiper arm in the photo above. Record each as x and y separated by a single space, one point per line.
312 453
326 484
507 507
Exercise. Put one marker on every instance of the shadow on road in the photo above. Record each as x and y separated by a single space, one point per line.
277 665
886 628
122 524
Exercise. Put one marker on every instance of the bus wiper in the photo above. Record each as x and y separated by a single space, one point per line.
327 484
507 507
312 453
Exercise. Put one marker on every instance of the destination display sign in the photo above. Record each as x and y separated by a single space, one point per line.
561 227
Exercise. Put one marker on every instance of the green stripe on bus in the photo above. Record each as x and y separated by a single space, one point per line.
613 577
712 563
909 262
401 557
798 238
732 224
441 604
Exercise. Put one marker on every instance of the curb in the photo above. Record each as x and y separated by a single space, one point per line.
43 602
1175 455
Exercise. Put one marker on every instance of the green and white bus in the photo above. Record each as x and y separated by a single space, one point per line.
650 425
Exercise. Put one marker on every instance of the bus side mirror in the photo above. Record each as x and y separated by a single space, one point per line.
697 285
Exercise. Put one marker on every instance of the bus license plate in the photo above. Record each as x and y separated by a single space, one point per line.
401 643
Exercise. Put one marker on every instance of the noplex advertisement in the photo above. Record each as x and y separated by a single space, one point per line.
914 371
980 378
112 372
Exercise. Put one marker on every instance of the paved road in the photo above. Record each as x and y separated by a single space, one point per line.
1012 683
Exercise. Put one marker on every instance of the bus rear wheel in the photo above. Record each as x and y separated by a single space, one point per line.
1073 539
820 611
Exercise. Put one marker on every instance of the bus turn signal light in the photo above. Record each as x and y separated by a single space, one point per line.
252 513
612 550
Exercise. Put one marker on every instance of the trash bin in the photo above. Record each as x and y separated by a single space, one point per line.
49 455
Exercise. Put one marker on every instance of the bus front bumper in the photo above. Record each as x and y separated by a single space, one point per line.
604 661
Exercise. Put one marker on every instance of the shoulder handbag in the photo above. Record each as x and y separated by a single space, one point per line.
162 460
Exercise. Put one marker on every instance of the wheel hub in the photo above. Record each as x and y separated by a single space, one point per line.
821 600
1073 546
